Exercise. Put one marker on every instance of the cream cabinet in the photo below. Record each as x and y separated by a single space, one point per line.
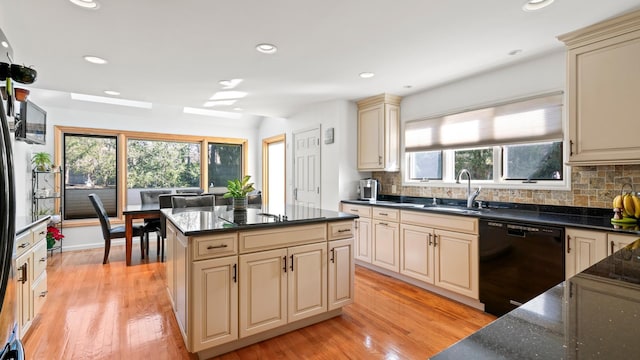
583 249
379 133
603 83
617 241
386 238
363 230
31 278
341 265
431 252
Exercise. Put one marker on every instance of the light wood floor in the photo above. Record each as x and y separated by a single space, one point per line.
96 311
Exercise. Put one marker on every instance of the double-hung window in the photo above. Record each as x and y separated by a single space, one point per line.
519 142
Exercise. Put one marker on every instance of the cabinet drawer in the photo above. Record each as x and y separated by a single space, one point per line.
446 222
39 258
340 230
207 247
362 210
39 289
281 237
23 242
381 213
39 232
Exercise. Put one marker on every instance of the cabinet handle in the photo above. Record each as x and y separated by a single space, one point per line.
333 255
379 160
570 147
43 259
23 245
210 247
354 210
42 232
344 230
285 263
430 241
435 243
568 244
44 293
235 273
291 262
612 246
384 214
23 275
384 224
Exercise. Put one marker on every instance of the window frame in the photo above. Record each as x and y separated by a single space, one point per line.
122 140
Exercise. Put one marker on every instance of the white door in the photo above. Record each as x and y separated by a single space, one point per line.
306 167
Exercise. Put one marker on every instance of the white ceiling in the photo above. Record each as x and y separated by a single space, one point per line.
175 52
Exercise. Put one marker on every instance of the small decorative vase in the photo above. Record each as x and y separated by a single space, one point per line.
51 242
240 203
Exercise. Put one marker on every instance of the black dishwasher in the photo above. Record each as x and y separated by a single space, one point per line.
517 263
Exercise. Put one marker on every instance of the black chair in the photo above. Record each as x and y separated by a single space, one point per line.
165 202
150 197
189 191
109 232
255 199
220 200
193 201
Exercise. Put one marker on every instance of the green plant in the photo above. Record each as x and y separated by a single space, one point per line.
239 189
42 161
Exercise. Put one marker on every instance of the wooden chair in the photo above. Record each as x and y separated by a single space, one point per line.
109 232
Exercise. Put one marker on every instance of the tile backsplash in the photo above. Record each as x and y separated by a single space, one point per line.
591 186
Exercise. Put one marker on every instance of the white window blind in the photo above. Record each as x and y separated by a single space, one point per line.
532 119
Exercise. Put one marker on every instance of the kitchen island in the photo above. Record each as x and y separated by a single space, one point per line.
235 278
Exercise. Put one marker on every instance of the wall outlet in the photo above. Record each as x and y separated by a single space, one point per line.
393 188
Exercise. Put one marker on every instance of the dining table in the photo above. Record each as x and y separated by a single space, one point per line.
137 211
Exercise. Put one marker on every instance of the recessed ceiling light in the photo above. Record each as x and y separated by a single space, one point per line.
219 103
515 52
238 109
214 113
266 48
367 75
112 92
112 101
5 44
228 95
229 84
408 86
87 4
95 60
533 5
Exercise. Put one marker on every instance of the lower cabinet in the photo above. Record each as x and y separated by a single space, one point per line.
282 286
31 275
386 240
222 292
363 239
618 241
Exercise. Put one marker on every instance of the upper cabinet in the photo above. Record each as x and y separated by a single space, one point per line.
379 133
603 83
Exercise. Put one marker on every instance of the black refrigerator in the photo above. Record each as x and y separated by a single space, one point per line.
11 346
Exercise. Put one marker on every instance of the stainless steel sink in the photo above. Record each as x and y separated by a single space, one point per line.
455 209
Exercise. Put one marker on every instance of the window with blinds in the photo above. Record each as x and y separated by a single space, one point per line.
518 141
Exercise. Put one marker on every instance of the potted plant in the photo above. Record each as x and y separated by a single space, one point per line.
238 189
53 235
42 161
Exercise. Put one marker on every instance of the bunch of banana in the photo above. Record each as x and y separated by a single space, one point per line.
626 208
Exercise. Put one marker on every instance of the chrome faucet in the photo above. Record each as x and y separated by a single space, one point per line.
470 197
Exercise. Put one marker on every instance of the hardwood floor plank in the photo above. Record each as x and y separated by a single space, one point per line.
112 311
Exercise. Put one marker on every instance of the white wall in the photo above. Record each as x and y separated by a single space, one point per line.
161 119
338 160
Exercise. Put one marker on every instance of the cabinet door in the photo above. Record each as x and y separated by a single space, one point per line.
214 319
39 259
263 291
370 138
456 261
169 263
180 279
584 248
307 281
618 241
603 84
39 293
386 245
363 239
341 273
24 266
416 252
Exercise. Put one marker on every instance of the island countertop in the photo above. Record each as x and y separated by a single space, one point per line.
195 221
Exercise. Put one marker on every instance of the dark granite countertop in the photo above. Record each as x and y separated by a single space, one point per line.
195 221
24 223
588 218
593 315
